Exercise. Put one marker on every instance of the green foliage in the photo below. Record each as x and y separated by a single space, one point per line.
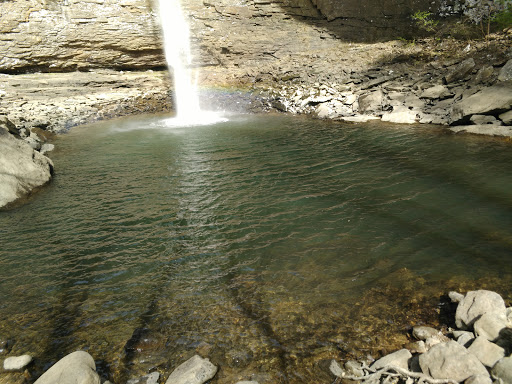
503 18
424 21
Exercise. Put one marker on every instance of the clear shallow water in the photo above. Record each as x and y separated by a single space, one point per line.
267 243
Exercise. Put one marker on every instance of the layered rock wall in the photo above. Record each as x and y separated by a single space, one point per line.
68 35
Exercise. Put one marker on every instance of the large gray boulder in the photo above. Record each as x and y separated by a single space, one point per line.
76 368
488 353
195 370
21 168
451 360
490 100
506 72
477 303
398 359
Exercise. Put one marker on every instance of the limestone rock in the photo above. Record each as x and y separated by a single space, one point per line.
465 338
77 367
488 353
460 71
195 370
371 102
436 92
484 119
400 115
502 371
489 325
336 369
506 72
477 303
487 129
399 359
506 118
489 100
17 363
478 379
354 368
21 168
455 297
422 332
450 360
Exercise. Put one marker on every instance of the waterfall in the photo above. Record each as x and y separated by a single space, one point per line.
176 35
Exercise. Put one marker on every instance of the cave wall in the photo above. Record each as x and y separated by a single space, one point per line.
67 35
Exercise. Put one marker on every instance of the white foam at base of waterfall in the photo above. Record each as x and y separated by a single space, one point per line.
176 35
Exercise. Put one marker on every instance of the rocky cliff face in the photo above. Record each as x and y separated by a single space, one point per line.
67 35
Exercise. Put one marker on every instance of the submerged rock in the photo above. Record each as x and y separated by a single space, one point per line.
17 363
195 370
77 367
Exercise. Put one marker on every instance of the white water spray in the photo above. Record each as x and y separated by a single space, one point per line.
176 34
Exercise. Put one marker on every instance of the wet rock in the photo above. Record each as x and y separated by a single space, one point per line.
354 368
399 359
46 148
478 379
489 100
195 370
506 72
488 353
502 370
436 92
336 369
484 119
151 378
506 118
21 168
477 303
422 332
17 363
400 115
489 325
239 358
460 71
450 360
77 367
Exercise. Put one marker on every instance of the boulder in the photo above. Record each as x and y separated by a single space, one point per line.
450 360
477 303
195 370
398 359
77 367
400 115
460 71
484 74
21 168
17 363
489 325
488 353
506 72
502 371
8 125
490 100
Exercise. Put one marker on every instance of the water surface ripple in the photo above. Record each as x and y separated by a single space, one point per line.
269 244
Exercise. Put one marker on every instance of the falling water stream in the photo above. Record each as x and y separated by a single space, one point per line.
178 55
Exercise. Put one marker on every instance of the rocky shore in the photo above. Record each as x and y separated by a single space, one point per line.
477 351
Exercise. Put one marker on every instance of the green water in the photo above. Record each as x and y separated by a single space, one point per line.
269 244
